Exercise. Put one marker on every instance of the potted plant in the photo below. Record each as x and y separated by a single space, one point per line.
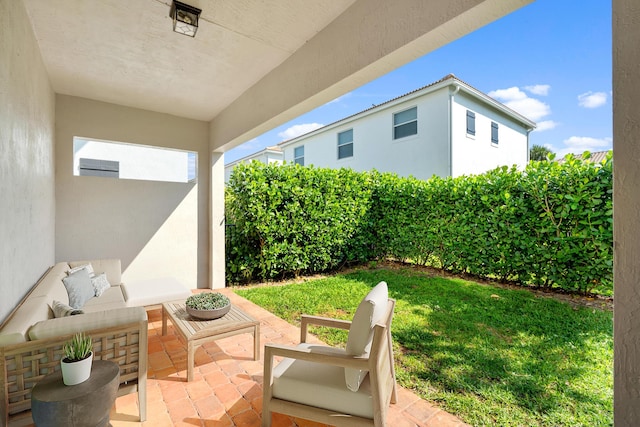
208 305
76 364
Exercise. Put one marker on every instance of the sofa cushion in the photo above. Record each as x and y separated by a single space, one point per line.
100 284
86 322
51 285
79 288
32 310
87 267
320 385
369 312
154 291
61 309
110 299
111 267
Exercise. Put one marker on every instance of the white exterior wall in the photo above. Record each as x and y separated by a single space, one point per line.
428 153
264 156
477 154
157 229
136 161
27 191
421 155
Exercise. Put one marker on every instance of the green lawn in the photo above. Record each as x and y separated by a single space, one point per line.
489 355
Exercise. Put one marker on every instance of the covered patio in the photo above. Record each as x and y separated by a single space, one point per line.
113 70
227 386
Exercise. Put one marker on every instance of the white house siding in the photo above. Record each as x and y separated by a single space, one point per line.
421 155
265 156
441 147
477 154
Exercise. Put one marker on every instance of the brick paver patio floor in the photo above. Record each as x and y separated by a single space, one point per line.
227 386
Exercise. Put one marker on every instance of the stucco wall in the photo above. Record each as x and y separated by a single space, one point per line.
474 155
427 153
421 155
27 194
157 229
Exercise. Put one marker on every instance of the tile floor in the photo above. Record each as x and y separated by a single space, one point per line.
227 386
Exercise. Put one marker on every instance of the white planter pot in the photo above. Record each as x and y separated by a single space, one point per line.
76 372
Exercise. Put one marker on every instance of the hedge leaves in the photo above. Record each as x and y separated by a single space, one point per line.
549 225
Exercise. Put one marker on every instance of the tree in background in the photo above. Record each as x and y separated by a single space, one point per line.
538 152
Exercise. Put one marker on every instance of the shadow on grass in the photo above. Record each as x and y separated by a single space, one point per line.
464 340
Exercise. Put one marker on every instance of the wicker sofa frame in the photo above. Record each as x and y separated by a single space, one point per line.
24 364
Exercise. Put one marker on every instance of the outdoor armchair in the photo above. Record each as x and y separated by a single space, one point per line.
341 387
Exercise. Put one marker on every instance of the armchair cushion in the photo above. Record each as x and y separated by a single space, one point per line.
320 385
370 311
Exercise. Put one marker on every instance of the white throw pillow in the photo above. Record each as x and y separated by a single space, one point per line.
79 288
87 267
61 309
100 284
370 311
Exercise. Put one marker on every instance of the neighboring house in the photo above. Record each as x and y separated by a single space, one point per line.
596 156
266 156
447 128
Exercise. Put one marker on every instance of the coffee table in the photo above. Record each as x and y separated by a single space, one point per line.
197 332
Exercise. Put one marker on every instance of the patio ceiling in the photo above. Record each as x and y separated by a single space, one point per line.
125 52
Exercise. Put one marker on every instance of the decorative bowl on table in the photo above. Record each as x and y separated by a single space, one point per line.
208 305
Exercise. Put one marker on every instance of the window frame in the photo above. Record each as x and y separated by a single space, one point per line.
405 123
345 144
495 139
298 159
133 161
471 119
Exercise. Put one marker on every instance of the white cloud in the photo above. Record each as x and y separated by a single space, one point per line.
510 94
542 90
545 125
579 144
340 98
297 130
592 99
517 100
252 145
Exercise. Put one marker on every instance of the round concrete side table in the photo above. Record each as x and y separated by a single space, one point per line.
84 404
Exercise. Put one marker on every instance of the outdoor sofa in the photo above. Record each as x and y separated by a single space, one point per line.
32 337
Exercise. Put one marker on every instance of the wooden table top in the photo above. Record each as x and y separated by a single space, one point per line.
192 328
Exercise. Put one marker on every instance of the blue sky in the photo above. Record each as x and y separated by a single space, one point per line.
550 61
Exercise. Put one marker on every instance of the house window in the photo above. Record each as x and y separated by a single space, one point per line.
345 144
405 123
494 133
298 155
120 160
471 123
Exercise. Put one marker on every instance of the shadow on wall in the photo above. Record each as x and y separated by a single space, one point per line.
151 226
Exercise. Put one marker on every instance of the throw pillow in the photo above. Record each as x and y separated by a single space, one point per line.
61 309
79 288
100 284
87 267
370 311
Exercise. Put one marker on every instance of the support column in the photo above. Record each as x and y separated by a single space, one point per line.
626 215
216 223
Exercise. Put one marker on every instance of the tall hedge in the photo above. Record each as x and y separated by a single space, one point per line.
549 225
292 220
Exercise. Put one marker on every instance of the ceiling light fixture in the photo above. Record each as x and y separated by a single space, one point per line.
185 18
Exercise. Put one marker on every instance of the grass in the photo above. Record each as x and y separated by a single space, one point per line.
491 356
